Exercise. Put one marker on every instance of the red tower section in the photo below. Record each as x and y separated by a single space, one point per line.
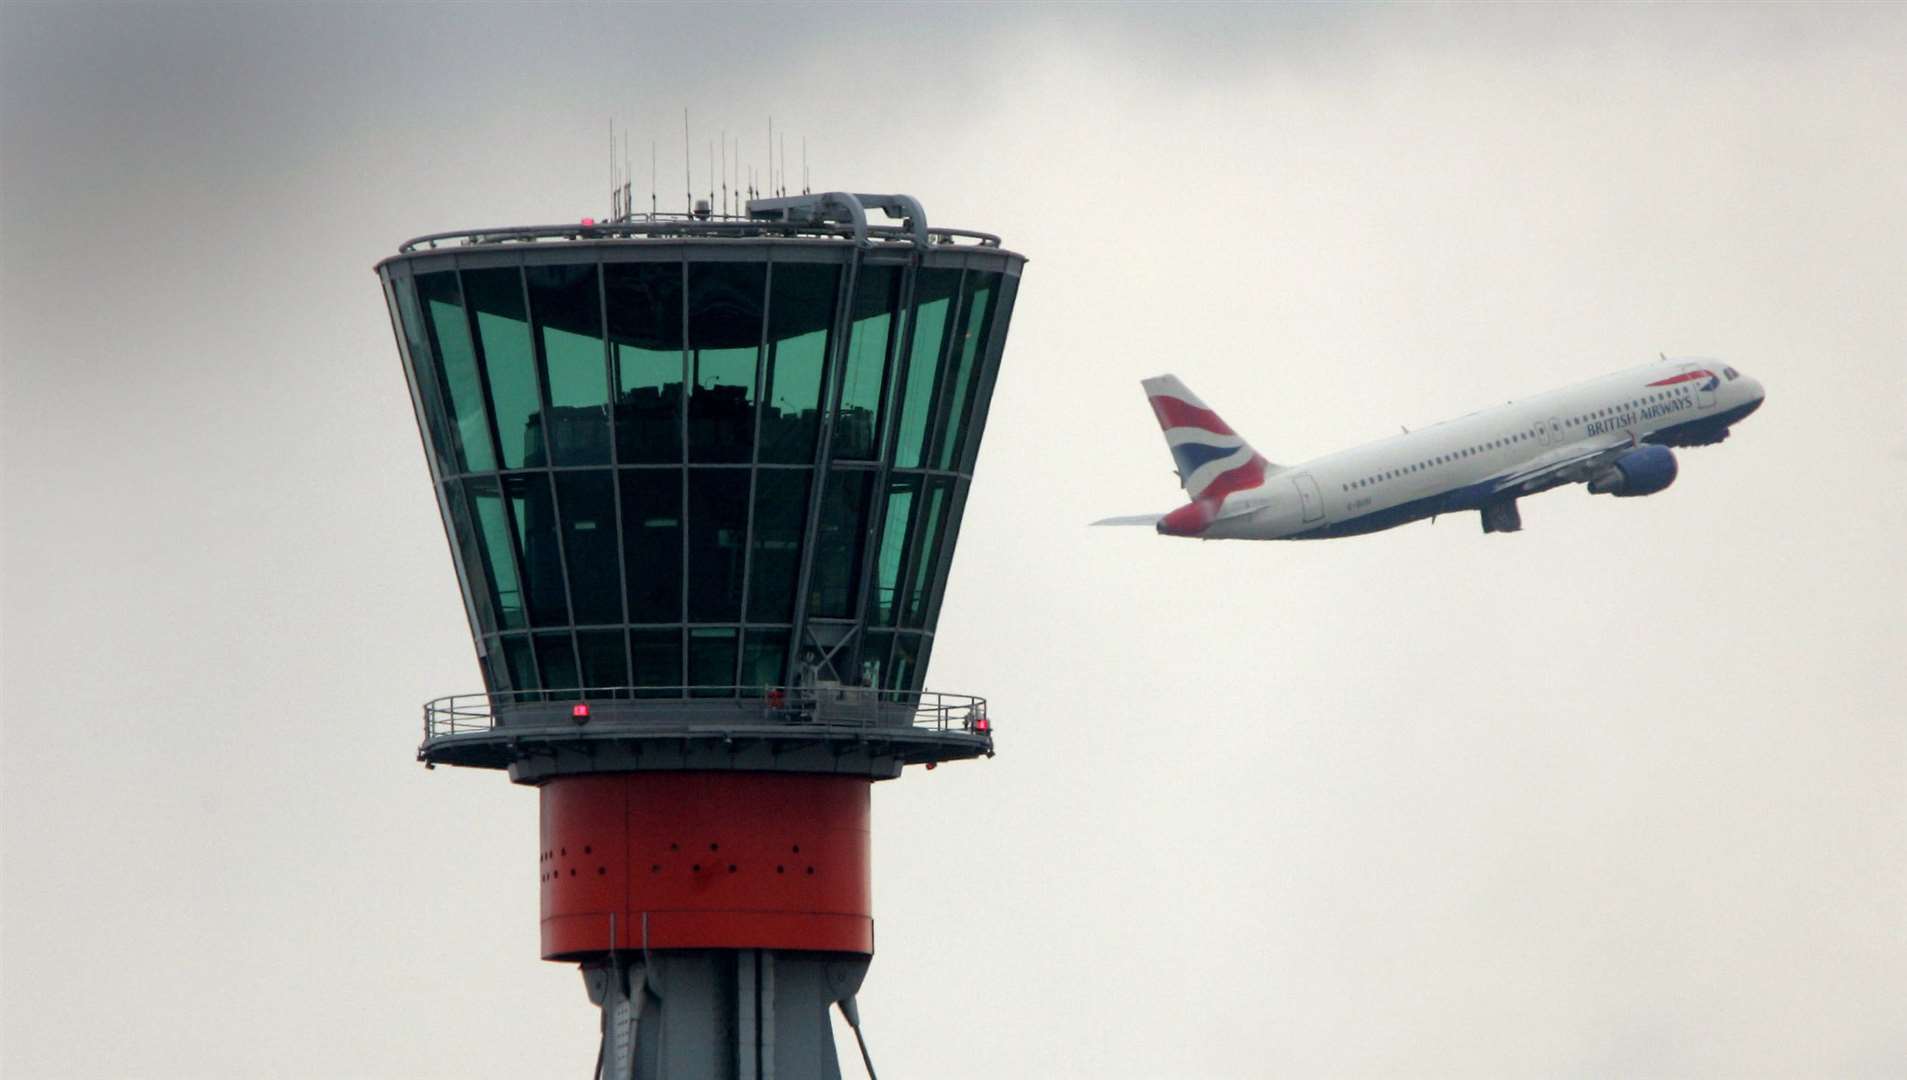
705 860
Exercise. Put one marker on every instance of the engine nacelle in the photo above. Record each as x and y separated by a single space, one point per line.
1642 471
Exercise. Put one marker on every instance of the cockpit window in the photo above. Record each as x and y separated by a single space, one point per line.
1730 373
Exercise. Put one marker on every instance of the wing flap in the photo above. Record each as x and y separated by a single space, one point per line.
1573 464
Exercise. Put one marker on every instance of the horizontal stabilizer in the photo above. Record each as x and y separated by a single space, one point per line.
1131 519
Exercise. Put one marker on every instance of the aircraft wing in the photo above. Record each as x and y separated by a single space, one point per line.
1572 464
1131 519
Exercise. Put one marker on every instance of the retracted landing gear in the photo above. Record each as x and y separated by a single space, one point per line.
1502 517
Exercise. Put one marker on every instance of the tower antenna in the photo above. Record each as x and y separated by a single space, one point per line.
804 165
724 173
784 163
771 155
652 179
688 185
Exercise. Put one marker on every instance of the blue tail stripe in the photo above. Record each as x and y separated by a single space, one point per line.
1189 456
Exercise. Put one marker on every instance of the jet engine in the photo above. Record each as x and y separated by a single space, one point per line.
1642 471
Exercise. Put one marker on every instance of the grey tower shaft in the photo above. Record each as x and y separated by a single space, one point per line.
722 1014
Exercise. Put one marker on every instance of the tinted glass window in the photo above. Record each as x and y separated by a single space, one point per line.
940 565
652 547
764 660
521 664
424 370
494 537
495 298
964 368
840 540
496 674
470 558
800 321
457 368
557 659
926 547
712 660
645 334
718 523
874 652
588 499
565 309
658 659
875 333
604 662
933 301
900 675
534 514
725 328
781 513
901 493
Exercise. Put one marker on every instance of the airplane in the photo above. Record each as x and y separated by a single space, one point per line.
1611 433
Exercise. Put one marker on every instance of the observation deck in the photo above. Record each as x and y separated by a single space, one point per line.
830 729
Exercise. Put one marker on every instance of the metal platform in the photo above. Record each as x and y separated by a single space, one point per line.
854 730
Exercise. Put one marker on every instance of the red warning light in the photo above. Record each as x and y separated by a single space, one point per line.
983 725
579 713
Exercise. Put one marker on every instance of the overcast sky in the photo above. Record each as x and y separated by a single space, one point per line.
1622 794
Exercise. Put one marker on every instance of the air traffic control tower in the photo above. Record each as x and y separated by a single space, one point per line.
702 477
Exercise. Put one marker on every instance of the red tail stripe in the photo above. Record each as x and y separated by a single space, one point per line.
1687 377
1192 518
1249 475
1173 412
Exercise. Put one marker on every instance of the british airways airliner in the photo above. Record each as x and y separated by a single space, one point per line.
1611 433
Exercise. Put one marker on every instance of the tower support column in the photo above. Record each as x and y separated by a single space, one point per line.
722 1014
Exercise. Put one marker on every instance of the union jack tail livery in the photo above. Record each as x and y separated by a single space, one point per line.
1213 460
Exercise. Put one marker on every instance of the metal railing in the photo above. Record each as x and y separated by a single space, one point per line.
687 225
664 709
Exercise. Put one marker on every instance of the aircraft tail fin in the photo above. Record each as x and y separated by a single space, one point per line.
1212 460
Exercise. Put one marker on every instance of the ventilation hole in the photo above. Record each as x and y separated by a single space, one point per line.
566 851
601 871
781 869
797 849
655 868
675 847
585 849
697 868
715 847
572 871
810 871
731 868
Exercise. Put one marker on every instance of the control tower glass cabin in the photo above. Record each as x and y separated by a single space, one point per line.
685 458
